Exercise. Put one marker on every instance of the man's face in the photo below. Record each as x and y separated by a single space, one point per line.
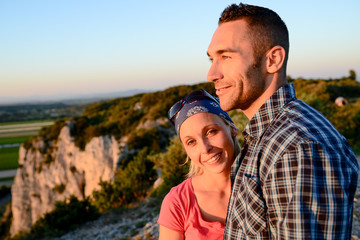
237 81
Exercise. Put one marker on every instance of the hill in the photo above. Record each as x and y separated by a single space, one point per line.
144 138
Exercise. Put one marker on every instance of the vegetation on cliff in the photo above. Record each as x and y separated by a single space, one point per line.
67 215
155 147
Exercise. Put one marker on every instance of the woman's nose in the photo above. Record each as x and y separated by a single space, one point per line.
206 147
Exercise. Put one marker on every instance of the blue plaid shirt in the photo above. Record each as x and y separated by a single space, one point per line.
295 177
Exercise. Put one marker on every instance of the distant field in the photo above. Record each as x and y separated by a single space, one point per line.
18 134
9 158
12 140
8 130
12 133
24 122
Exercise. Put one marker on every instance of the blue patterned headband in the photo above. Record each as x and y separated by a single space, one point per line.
196 102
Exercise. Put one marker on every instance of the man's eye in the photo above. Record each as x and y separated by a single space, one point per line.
225 57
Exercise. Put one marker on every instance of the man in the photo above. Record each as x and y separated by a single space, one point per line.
296 175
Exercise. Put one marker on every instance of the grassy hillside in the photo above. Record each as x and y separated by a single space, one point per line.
124 116
155 146
128 116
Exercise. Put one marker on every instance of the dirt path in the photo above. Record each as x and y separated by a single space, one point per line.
8 173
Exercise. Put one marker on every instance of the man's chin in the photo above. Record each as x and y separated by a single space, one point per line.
226 107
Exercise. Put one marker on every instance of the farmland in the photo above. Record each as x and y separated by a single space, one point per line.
21 121
11 136
21 129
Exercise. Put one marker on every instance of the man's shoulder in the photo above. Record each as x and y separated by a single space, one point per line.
297 116
298 122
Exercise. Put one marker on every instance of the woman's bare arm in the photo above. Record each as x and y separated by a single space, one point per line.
166 234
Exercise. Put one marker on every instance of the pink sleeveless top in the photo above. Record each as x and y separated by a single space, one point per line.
180 212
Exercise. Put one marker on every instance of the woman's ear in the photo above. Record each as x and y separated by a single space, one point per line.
275 59
234 131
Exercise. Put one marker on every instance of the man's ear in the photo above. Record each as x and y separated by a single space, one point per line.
275 58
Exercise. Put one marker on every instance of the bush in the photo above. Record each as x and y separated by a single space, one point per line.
66 216
80 124
130 184
60 188
5 220
145 138
4 190
48 134
138 176
171 163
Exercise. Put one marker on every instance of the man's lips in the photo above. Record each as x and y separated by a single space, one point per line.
220 90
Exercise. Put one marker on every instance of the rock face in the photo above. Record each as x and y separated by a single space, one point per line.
39 183
340 101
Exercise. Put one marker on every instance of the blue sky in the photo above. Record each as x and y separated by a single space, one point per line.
70 47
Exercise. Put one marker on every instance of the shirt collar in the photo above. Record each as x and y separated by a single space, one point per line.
268 111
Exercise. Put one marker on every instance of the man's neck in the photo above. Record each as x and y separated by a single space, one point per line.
273 87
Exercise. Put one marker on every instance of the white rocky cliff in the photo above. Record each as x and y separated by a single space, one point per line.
39 183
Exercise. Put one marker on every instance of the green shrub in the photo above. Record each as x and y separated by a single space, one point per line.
5 220
138 176
66 216
48 135
158 103
48 158
73 169
172 165
130 184
80 124
107 197
4 190
60 188
240 120
149 138
51 133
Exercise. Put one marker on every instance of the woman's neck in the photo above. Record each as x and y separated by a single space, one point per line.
213 182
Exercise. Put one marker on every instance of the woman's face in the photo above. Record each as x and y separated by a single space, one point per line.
207 140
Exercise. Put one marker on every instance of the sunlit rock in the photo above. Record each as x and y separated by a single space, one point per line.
40 182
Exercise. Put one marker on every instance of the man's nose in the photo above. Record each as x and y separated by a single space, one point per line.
215 72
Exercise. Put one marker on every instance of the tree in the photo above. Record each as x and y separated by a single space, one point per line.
352 75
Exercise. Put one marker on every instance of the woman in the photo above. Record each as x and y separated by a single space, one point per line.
196 208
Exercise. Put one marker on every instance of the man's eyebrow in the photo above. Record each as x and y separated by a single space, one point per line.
221 51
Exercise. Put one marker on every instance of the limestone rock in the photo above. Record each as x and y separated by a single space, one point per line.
340 101
39 183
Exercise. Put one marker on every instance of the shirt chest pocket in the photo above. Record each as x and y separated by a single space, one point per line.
249 206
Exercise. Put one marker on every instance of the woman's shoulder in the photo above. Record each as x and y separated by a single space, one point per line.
176 205
181 192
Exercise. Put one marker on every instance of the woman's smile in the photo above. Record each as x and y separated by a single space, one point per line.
214 159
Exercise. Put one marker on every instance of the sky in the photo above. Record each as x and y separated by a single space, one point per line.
74 47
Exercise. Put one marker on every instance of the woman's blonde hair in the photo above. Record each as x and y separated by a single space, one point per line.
195 170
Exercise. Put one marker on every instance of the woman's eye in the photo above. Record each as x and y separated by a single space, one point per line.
190 142
211 131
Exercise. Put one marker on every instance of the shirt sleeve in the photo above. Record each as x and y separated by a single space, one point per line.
308 192
171 214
